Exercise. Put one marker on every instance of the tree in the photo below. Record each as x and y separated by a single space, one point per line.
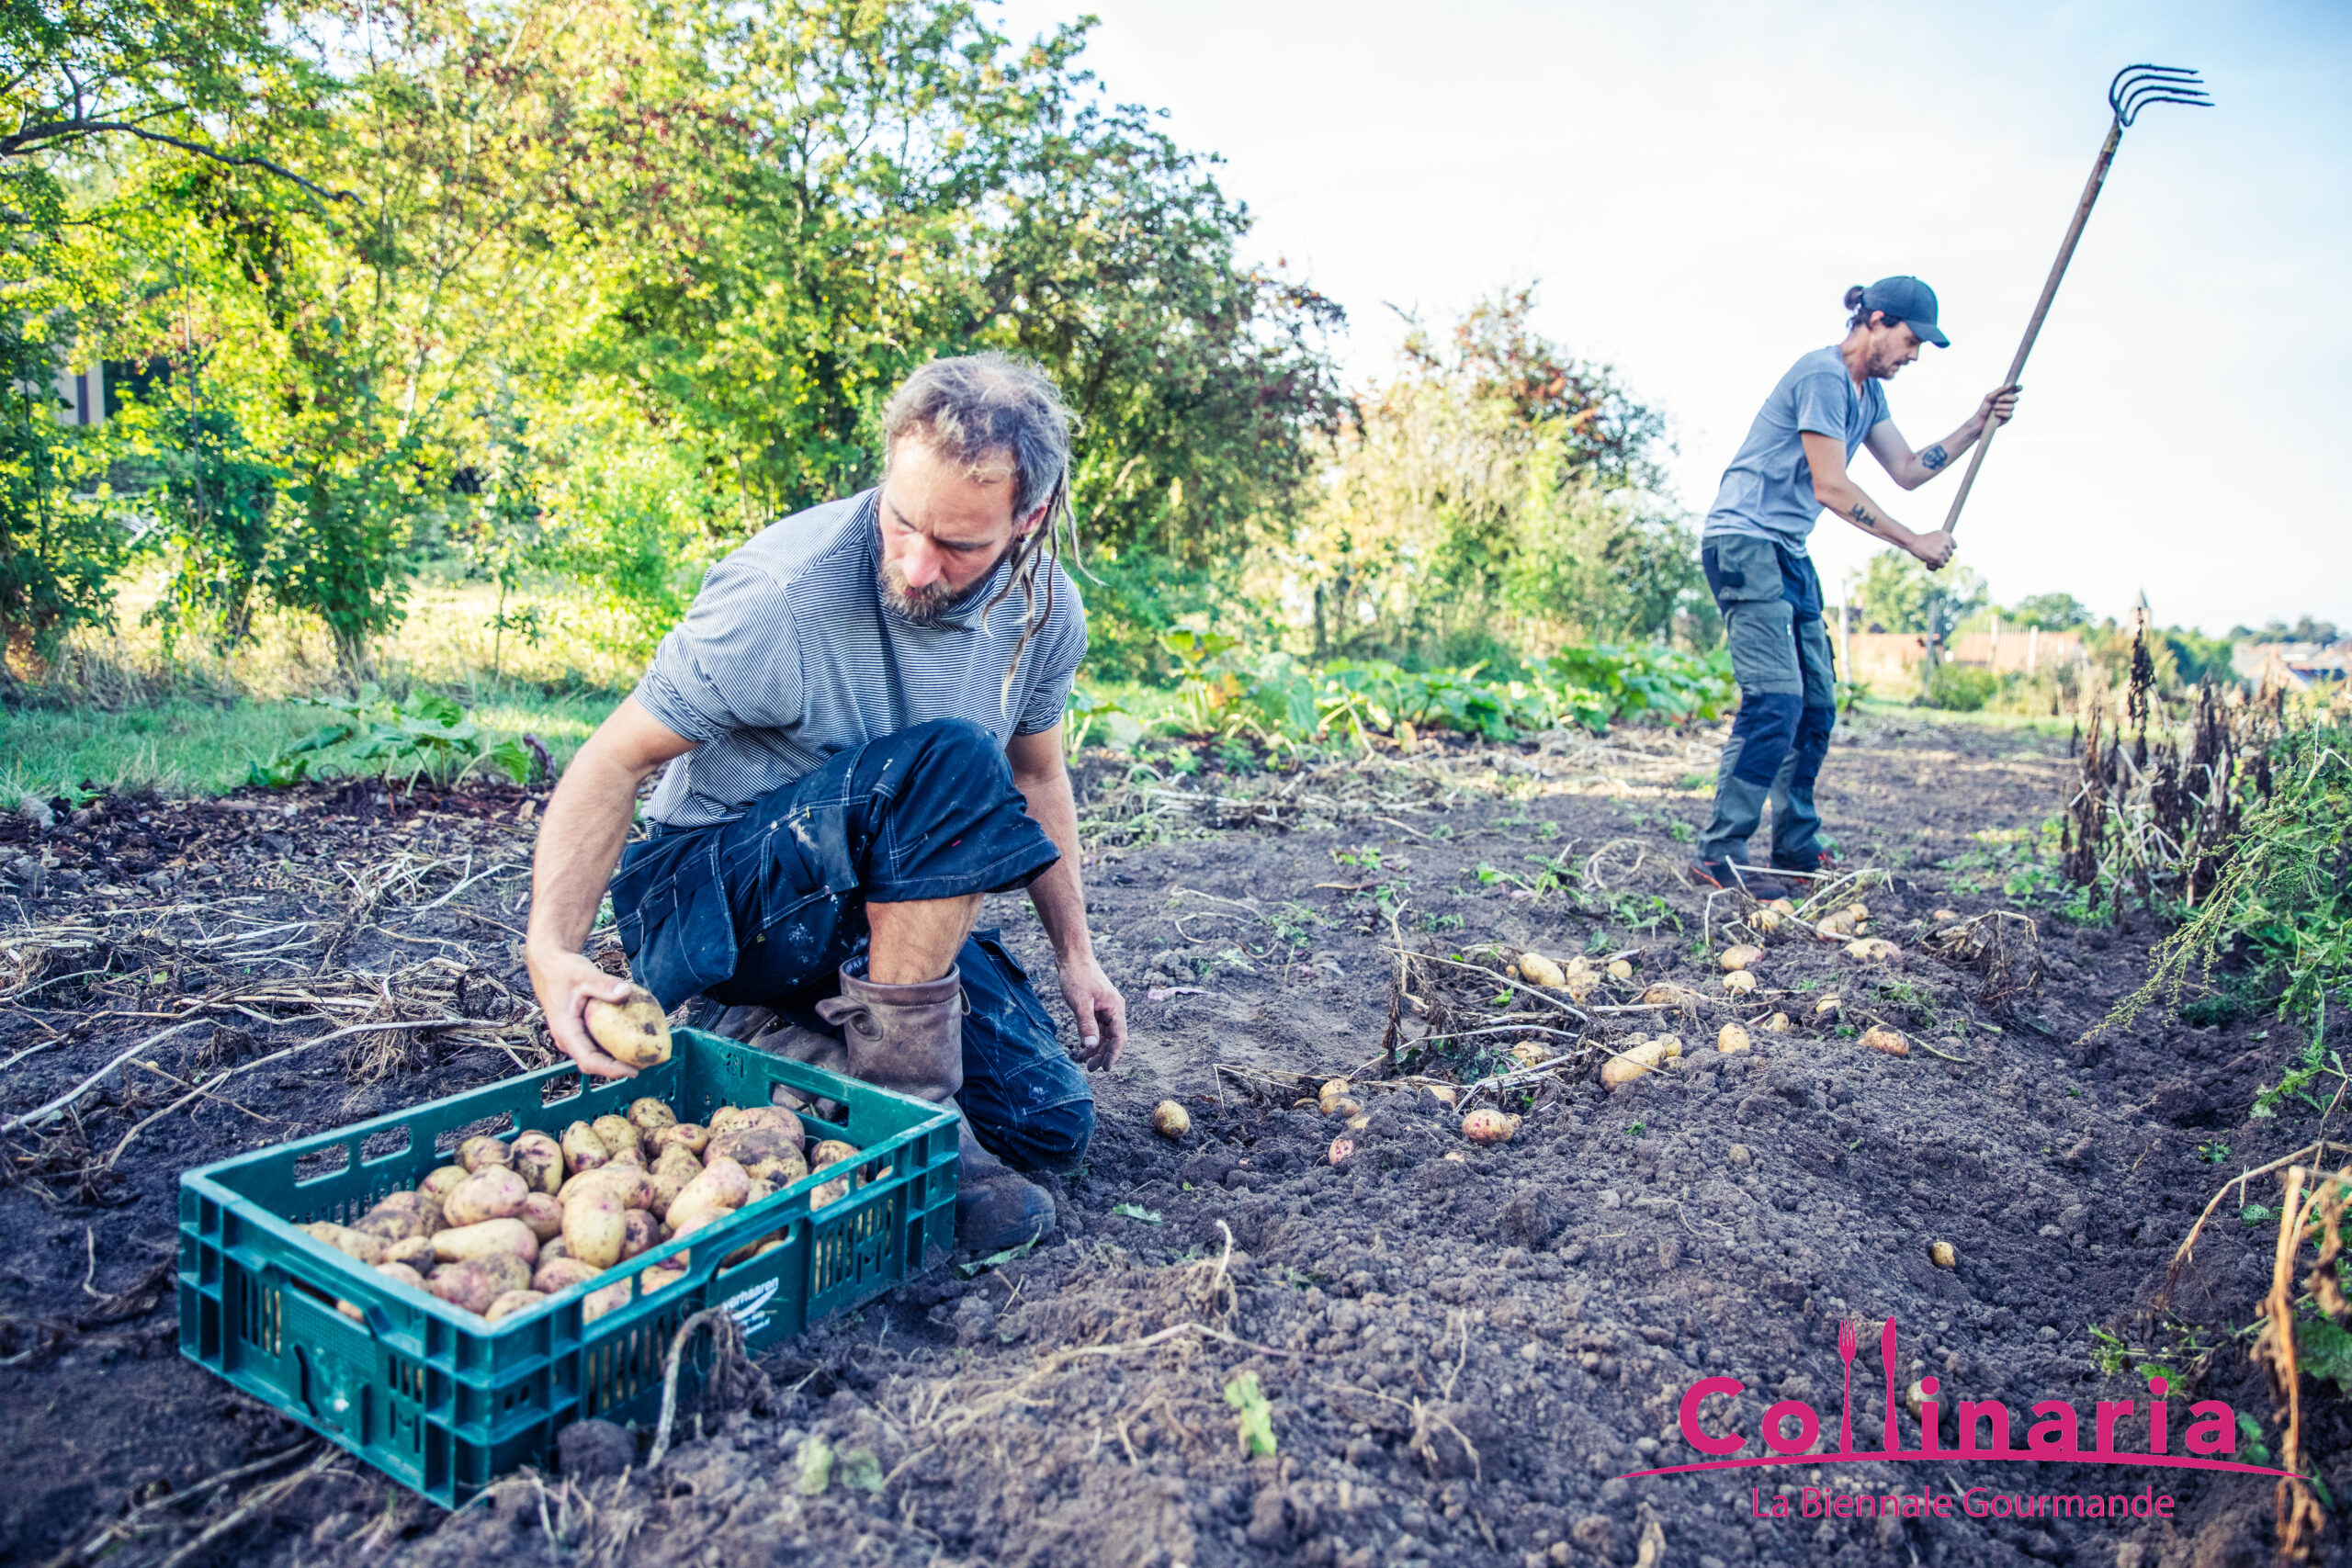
204 77
2051 611
1495 497
1900 594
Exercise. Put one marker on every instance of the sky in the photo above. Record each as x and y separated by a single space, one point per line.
1693 186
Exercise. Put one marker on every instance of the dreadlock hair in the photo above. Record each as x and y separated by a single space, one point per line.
999 417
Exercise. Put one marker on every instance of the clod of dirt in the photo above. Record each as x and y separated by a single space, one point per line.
591 1450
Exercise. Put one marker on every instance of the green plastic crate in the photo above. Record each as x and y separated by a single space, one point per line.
446 1402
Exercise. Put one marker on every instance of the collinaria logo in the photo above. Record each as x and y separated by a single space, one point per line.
1791 1427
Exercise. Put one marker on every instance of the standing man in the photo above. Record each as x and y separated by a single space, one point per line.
1753 546
859 728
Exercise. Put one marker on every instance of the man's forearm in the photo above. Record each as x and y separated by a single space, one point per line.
580 837
1846 500
1939 456
1059 894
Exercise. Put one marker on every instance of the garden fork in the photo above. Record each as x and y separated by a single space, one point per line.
2134 89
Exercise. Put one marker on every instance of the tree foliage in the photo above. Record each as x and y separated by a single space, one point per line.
1496 498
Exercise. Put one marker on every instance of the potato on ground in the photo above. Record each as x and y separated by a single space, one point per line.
538 1160
493 1192
1731 1038
463 1244
476 1153
1739 956
1885 1041
1171 1121
1541 970
509 1302
1333 1094
1489 1126
634 1031
1643 1056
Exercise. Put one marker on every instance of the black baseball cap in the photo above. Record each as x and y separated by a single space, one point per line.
1910 301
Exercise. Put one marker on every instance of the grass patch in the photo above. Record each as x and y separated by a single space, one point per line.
186 747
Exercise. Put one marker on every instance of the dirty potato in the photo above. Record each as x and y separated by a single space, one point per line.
538 1160
1489 1127
1171 1121
1886 1041
633 1032
583 1150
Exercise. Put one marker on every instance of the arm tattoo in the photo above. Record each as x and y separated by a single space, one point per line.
1861 513
1934 457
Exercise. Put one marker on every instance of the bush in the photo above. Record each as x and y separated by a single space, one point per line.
1960 688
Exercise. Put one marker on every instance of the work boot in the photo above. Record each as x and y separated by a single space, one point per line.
911 1039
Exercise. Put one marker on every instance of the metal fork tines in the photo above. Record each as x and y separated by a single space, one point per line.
2136 86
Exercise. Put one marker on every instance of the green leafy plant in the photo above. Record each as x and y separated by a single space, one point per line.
1256 1424
428 736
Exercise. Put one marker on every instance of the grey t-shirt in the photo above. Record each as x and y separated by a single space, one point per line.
789 656
1767 492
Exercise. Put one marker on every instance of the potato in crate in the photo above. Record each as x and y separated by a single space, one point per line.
443 1290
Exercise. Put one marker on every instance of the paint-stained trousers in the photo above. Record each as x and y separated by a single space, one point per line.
764 909
1770 600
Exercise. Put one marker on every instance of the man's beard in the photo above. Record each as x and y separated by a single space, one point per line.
920 606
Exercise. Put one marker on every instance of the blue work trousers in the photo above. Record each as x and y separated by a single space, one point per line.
764 909
1770 600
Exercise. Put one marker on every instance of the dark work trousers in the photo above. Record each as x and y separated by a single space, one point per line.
764 909
1770 599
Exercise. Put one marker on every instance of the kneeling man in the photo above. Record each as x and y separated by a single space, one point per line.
859 725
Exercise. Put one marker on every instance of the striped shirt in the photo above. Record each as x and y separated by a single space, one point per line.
788 657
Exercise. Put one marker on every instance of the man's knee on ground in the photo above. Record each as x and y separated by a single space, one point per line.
1765 728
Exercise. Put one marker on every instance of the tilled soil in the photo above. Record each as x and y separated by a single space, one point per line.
1464 1349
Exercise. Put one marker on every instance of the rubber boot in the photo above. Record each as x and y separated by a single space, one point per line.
911 1039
